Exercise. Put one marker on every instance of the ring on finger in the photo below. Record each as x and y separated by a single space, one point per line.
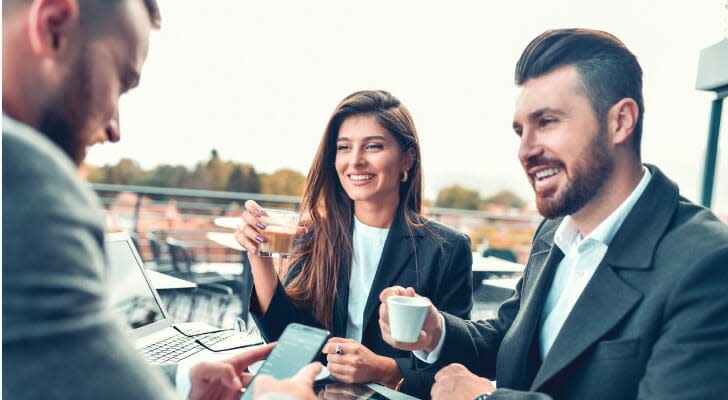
339 350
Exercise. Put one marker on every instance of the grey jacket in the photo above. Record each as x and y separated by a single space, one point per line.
60 340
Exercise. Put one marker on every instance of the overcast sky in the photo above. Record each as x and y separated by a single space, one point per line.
257 80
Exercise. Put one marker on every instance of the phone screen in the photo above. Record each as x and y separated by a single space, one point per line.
298 346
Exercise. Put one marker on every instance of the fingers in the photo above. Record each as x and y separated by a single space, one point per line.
207 372
307 375
246 378
253 207
243 360
390 291
248 232
341 343
342 372
264 384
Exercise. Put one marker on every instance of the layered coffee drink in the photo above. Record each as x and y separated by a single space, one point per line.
281 226
278 239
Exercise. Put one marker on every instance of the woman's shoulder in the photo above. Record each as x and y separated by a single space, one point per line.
438 231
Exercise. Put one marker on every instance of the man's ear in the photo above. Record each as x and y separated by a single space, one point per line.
54 28
622 119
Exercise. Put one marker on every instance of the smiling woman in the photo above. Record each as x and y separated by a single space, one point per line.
362 206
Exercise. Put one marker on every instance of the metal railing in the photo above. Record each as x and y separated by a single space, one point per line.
171 210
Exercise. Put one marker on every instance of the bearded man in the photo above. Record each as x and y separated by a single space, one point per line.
624 293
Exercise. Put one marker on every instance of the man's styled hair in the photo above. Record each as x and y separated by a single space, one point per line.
608 70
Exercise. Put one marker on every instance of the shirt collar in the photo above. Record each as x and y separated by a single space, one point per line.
567 234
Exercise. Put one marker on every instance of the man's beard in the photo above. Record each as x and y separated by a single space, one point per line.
65 118
592 169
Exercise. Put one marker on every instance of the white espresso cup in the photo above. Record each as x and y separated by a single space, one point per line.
406 316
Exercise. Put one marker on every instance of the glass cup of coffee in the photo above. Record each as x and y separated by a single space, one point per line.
281 226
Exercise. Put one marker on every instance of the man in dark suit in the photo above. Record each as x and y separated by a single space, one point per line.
624 293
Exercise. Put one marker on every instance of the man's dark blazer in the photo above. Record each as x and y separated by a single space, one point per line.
442 272
651 324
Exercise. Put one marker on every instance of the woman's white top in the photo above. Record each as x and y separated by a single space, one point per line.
368 243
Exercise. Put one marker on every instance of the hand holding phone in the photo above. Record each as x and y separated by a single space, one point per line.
298 346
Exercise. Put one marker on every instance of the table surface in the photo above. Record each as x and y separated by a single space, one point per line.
162 281
225 239
494 264
227 222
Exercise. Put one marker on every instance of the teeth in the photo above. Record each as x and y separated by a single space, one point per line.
361 177
547 172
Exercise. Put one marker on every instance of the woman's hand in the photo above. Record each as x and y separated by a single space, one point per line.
249 229
354 363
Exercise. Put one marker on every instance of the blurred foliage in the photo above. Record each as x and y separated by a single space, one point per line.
214 174
457 196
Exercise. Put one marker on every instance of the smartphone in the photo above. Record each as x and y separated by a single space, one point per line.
297 347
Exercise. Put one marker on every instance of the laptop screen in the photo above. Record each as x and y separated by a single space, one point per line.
131 297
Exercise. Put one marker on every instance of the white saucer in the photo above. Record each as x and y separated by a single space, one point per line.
254 367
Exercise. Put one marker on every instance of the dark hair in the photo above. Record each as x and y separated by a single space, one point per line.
92 9
608 70
329 210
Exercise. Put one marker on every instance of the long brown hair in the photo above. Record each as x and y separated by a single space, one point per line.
329 211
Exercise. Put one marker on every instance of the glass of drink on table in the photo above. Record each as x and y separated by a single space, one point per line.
281 226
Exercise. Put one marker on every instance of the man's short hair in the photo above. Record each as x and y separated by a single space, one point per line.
608 70
151 5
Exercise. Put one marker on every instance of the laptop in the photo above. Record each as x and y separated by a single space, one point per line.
134 300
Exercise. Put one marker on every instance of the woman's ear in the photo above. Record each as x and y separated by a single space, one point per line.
409 159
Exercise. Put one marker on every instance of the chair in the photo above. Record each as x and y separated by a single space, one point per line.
502 253
161 261
185 266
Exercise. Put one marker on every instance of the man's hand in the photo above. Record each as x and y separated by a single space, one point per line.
456 382
300 386
224 379
431 329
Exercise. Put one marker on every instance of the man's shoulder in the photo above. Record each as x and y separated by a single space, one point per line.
28 152
695 228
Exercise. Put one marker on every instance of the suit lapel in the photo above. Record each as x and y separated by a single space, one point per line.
604 302
607 299
513 361
398 249
341 302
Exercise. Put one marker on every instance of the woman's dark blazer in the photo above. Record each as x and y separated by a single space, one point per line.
444 275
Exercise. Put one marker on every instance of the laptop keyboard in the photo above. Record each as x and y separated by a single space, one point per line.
178 347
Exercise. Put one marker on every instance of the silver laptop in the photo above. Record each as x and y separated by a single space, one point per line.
134 299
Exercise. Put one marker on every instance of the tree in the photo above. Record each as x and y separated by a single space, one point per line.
167 176
125 172
505 198
197 179
284 181
456 196
243 179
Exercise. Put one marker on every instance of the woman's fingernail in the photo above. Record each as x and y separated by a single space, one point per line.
258 212
252 250
261 225
259 239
